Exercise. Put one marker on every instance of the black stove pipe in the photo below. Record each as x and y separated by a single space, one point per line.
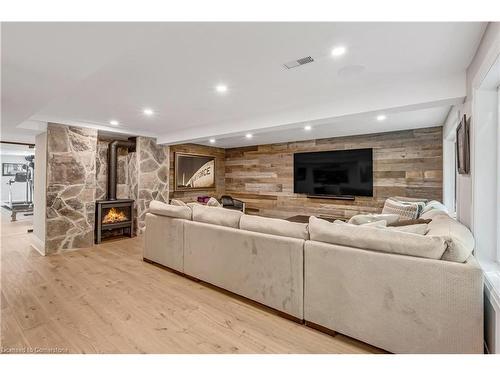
113 163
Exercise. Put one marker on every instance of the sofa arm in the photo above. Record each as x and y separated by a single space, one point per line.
164 241
399 303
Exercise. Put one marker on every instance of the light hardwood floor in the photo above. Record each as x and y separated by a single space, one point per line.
107 300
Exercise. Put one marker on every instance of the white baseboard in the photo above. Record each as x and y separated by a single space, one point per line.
38 245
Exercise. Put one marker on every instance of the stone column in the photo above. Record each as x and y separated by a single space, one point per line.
151 167
71 187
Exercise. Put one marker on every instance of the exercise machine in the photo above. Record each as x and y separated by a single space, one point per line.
24 177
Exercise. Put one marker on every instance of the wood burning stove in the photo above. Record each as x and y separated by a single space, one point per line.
114 216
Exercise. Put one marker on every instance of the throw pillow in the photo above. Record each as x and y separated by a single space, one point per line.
370 218
212 202
434 205
405 210
421 202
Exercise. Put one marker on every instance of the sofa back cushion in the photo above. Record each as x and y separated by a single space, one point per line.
170 210
177 202
459 237
216 216
278 227
377 239
431 214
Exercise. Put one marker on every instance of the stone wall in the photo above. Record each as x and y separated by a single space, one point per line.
71 187
133 184
77 176
151 181
122 187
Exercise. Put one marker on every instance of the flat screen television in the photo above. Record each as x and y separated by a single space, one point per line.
344 173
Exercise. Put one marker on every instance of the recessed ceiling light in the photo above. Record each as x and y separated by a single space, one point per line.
338 51
307 127
211 140
381 117
114 123
148 112
221 88
248 135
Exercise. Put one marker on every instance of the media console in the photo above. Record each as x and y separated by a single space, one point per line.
339 197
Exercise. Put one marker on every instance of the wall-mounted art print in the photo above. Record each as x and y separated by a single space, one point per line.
463 146
10 169
194 172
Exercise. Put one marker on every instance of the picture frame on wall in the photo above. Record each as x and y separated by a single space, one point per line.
10 169
463 146
194 172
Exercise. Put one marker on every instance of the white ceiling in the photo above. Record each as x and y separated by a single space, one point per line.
89 73
367 123
7 149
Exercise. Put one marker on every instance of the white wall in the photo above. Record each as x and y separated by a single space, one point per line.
482 104
449 159
38 238
484 165
18 188
477 193
463 184
485 56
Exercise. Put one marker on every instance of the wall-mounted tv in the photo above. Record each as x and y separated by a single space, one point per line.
344 173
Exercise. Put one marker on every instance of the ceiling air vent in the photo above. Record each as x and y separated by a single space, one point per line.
298 62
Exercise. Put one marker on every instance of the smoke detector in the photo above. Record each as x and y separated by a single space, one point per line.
298 62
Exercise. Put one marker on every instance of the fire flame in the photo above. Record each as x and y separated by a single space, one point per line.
114 216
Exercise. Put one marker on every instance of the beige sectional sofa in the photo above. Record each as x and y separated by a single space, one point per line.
402 292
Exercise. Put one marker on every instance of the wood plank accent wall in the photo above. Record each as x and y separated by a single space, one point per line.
406 163
189 148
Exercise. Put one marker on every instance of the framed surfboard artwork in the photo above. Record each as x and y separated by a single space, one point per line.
194 172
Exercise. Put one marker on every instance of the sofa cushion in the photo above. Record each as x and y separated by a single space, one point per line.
216 216
278 227
377 239
163 209
177 202
370 218
378 223
460 239
421 229
405 210
402 223
191 204
432 213
416 228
